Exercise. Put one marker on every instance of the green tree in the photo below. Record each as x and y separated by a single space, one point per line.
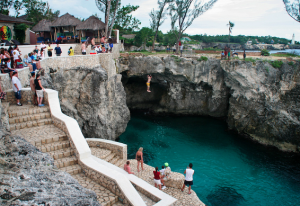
157 18
5 5
20 32
143 37
124 19
293 9
183 13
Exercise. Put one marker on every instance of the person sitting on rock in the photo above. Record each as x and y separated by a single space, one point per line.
222 55
127 168
167 171
148 83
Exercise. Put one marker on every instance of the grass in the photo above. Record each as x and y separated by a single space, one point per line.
250 60
177 59
202 58
285 55
212 49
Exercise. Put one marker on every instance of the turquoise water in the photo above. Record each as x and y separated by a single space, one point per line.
229 170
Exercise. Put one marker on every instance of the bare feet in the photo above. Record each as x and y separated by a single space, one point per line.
189 193
181 190
148 91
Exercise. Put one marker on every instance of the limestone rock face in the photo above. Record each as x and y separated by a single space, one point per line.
28 178
179 86
97 102
256 98
264 102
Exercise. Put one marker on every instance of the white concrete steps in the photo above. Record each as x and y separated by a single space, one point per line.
16 111
32 117
30 124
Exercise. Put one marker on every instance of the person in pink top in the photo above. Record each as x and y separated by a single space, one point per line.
127 168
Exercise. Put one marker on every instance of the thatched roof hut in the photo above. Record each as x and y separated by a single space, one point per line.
92 23
42 26
13 20
65 20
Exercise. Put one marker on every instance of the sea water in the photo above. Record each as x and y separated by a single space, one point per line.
230 170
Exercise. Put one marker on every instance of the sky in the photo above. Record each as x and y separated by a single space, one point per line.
251 17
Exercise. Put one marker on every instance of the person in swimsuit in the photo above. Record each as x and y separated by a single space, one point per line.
148 83
127 168
139 158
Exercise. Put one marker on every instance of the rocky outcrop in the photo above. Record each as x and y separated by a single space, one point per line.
97 102
257 99
28 177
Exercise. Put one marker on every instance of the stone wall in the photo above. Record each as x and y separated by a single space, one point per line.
23 75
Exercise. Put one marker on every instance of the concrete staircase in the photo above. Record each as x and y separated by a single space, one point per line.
35 125
108 156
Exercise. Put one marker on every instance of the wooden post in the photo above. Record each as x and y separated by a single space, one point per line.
98 36
50 36
55 33
79 36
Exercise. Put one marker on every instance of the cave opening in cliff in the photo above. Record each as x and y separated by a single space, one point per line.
137 97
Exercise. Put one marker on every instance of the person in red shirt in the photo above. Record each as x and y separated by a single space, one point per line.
157 178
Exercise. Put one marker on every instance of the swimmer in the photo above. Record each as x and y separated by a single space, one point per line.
148 83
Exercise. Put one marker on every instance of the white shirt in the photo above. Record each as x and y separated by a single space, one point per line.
189 174
162 171
16 54
43 46
15 80
181 47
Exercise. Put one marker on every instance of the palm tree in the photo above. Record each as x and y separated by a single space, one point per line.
230 26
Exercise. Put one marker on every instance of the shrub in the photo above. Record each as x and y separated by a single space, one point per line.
250 60
291 63
265 52
277 64
202 58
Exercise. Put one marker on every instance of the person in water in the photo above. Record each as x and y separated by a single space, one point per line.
148 83
189 172
127 168
139 158
157 178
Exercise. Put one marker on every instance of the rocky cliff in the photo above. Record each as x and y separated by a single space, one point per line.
257 99
28 177
97 102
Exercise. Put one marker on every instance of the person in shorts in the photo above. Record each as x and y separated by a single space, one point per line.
148 82
163 177
189 172
32 86
50 49
17 86
39 89
157 178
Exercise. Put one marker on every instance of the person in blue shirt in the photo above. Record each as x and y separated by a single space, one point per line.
57 50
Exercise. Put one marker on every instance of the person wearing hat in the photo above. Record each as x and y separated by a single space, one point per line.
167 172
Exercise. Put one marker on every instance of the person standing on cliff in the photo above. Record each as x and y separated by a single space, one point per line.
189 172
58 50
139 159
17 86
32 86
229 53
148 83
244 55
226 52
83 48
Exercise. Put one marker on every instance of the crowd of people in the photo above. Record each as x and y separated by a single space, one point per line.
106 45
161 176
